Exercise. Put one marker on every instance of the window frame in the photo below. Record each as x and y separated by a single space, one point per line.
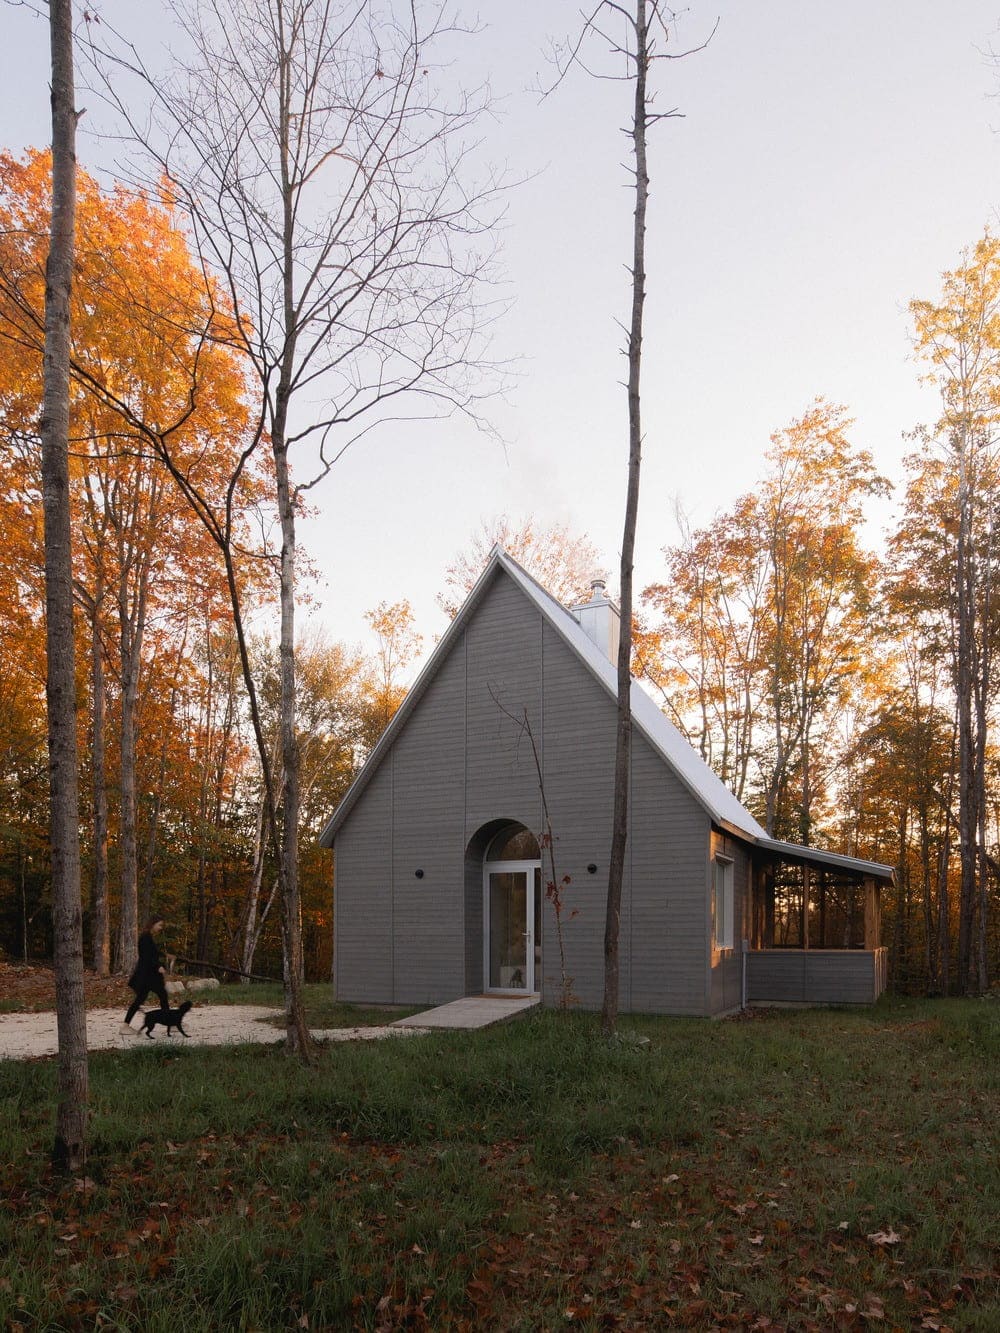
723 902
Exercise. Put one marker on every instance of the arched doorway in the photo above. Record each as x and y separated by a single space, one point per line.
512 912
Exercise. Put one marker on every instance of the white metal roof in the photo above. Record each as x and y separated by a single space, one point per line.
689 766
793 851
708 789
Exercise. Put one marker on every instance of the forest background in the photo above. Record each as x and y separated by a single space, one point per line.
837 675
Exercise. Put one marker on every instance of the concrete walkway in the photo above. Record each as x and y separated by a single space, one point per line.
30 1036
472 1011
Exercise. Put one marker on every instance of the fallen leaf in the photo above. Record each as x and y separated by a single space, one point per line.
884 1237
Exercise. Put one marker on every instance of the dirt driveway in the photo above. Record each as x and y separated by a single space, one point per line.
29 1036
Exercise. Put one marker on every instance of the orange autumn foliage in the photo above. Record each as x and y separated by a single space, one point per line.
149 351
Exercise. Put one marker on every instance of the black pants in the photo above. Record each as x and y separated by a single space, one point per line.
158 989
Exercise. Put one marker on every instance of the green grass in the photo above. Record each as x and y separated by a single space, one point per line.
525 1177
322 1010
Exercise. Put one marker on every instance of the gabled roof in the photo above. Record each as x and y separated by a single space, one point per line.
661 733
708 789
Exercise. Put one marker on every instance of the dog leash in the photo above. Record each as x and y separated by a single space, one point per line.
221 967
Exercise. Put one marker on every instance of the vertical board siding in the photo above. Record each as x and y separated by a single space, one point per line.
579 750
474 983
457 765
428 784
670 839
813 976
503 675
362 898
503 671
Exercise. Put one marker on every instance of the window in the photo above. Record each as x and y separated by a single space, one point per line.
514 843
722 902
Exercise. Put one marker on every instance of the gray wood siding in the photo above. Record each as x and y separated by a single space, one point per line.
503 663
812 976
668 854
474 983
457 765
579 756
362 898
428 779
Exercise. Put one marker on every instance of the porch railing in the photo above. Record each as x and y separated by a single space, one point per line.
816 976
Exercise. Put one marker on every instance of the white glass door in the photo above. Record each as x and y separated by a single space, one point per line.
512 921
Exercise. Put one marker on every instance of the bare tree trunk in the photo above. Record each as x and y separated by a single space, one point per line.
156 804
983 691
944 931
128 921
982 951
132 623
381 304
201 937
70 1145
152 832
99 923
966 783
623 740
288 865
252 921
930 960
291 915
899 958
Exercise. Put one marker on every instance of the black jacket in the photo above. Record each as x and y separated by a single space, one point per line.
147 970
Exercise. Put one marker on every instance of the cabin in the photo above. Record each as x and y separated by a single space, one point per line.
441 863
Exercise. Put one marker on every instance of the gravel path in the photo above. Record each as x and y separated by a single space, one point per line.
28 1036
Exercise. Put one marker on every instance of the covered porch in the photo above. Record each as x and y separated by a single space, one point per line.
814 927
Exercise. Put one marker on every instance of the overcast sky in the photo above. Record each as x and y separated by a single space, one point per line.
831 161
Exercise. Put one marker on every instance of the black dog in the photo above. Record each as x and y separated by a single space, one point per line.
171 1018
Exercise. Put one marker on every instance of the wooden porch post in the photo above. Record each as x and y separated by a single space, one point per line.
873 922
823 942
756 904
806 874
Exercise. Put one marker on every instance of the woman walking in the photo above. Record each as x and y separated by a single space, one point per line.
148 973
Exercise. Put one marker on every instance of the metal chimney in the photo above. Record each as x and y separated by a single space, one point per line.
600 620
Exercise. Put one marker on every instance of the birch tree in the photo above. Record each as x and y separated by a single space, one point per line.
138 377
326 180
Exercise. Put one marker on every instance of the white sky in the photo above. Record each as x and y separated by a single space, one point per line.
832 161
